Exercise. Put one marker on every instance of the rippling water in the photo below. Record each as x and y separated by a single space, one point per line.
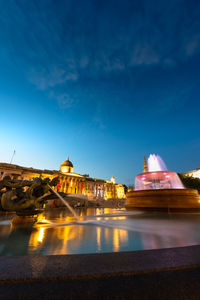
99 230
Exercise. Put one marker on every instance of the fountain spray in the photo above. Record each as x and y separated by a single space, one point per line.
65 202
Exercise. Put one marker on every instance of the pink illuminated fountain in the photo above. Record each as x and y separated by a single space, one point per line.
156 176
159 189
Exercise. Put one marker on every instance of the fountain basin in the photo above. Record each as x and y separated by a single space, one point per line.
158 180
186 200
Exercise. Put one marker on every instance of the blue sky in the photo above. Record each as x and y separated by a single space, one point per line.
101 81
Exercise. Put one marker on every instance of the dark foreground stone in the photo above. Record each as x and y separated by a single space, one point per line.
152 274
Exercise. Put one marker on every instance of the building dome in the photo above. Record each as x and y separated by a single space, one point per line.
67 163
66 166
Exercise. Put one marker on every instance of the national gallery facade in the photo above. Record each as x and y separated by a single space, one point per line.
69 182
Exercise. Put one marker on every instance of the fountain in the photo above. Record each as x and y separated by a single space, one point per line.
65 203
27 204
159 189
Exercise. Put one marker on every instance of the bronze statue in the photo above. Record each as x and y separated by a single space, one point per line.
14 197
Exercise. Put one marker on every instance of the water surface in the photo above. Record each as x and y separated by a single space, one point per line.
110 230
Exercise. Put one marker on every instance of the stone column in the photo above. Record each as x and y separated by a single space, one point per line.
75 186
65 185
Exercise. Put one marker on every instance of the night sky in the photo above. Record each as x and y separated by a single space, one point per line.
104 82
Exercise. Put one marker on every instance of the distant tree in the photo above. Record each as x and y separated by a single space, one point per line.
125 188
190 182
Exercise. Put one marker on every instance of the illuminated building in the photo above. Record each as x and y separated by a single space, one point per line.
193 173
69 182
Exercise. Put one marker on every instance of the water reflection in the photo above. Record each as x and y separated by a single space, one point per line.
98 238
111 233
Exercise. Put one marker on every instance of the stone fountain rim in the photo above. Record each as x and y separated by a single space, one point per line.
182 190
80 266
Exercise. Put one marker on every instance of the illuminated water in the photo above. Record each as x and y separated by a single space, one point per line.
155 163
118 230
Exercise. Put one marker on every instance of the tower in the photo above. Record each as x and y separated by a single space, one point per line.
145 165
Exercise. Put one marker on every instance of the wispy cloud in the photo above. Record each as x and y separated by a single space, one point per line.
44 78
65 100
145 55
67 43
192 45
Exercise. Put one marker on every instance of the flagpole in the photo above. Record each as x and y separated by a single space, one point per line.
12 157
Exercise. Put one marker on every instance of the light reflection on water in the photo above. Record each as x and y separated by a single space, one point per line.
58 233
